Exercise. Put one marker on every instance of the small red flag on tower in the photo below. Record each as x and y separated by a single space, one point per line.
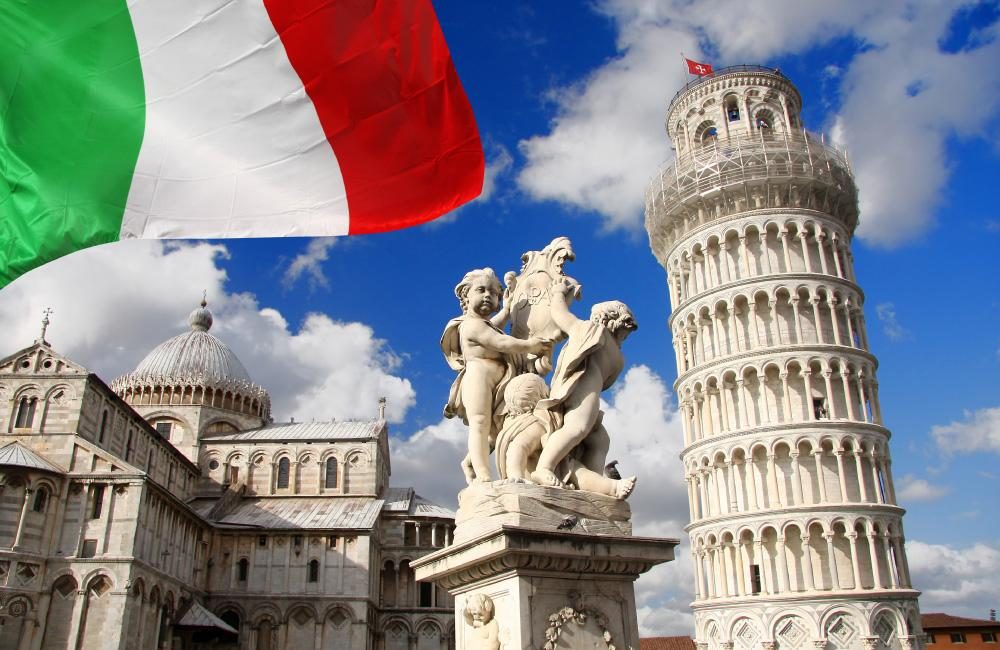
700 69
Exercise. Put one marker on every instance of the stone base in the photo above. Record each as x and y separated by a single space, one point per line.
484 507
550 588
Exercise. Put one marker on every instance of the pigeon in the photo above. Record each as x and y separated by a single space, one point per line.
568 523
611 471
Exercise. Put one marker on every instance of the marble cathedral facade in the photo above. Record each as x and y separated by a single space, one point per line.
167 510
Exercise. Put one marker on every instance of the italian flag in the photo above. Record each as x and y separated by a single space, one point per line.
224 118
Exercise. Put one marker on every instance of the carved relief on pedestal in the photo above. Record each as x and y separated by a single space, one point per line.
576 619
479 615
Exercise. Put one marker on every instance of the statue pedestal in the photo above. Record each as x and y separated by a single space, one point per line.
549 588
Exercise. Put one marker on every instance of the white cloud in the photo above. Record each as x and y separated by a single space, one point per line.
910 488
955 580
498 164
979 431
903 99
429 461
886 313
114 303
310 263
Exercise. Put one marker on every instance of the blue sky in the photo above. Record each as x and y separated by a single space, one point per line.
570 99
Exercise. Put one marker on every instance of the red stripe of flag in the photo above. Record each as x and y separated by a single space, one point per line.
391 105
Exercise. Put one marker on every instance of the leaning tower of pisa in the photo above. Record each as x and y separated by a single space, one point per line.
795 533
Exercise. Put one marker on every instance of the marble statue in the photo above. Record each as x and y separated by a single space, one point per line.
484 357
556 437
479 613
588 364
520 442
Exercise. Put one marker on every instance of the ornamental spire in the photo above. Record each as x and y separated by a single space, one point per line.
45 325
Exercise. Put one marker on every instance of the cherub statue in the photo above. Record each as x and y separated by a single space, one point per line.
522 437
479 613
484 357
529 295
588 364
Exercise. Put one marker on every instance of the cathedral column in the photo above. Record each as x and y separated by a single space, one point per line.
782 567
773 496
831 304
835 246
850 327
787 396
831 556
765 258
725 424
745 256
806 258
734 505
873 555
797 319
890 567
807 381
744 406
784 251
831 402
19 531
751 472
822 254
691 498
758 554
861 398
840 475
820 477
699 592
855 565
796 480
819 321
754 331
861 475
879 496
807 570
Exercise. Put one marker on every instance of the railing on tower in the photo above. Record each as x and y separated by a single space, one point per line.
732 69
740 159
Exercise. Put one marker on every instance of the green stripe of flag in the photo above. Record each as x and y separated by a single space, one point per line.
72 114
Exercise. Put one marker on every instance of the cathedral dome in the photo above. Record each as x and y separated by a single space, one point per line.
197 363
194 356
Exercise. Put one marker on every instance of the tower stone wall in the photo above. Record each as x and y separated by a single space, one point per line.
795 532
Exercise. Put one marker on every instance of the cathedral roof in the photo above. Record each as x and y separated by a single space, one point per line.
194 358
405 500
288 431
299 513
198 616
17 455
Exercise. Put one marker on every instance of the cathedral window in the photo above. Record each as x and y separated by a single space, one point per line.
331 541
297 541
283 466
331 473
163 428
262 540
104 426
128 446
242 570
755 579
89 548
98 504
25 412
732 109
41 500
314 571
426 594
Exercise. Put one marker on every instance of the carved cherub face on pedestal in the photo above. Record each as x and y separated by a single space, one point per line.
485 634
